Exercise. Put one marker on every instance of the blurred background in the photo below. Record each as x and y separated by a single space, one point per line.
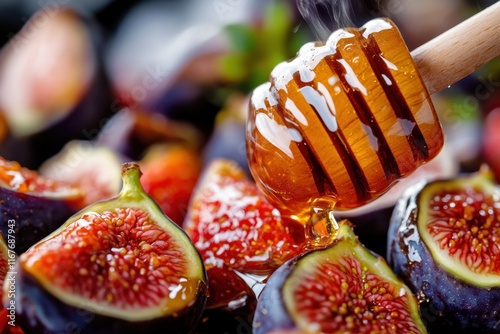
129 74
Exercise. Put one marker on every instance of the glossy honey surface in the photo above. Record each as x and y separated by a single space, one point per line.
342 121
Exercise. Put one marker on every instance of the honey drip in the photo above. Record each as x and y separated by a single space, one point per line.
322 227
345 119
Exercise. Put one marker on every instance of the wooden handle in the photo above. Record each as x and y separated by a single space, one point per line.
459 51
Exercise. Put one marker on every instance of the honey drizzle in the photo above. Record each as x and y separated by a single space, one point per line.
322 228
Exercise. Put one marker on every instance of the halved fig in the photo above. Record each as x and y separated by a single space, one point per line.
444 241
76 165
36 205
343 288
118 266
53 87
232 224
230 306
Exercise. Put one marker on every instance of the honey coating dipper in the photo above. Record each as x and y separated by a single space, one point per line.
340 123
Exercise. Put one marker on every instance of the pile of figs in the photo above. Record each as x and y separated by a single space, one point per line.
127 205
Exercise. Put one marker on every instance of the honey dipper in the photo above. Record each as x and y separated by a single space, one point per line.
336 126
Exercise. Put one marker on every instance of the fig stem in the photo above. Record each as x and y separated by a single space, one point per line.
131 175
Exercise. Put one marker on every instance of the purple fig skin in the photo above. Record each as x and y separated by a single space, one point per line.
271 313
34 217
39 312
447 302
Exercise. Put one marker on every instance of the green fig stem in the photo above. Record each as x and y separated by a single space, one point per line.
131 175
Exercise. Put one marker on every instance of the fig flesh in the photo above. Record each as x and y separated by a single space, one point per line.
444 242
118 266
36 206
232 224
343 288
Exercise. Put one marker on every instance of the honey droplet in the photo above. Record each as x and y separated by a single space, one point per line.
322 228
